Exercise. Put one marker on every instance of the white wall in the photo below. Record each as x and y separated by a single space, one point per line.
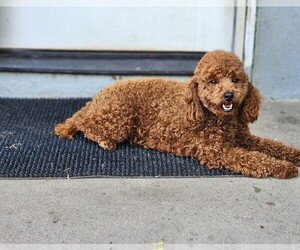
117 28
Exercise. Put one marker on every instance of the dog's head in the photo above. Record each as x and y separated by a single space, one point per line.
221 85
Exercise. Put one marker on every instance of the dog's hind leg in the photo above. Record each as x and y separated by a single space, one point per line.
107 127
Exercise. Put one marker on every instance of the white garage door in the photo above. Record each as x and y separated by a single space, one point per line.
134 28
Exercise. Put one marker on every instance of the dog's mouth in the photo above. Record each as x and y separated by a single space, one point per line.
227 107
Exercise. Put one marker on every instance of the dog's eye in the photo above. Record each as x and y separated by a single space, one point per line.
213 81
235 80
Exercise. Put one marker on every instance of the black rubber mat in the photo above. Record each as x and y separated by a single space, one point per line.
29 149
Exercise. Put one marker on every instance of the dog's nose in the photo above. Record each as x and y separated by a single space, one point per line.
228 96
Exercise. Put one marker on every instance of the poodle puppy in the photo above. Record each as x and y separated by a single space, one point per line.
206 118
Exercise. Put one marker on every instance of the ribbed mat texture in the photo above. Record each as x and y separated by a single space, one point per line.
29 149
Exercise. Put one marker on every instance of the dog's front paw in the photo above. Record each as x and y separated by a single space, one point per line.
285 171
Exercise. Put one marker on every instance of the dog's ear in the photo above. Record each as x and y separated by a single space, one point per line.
194 112
251 105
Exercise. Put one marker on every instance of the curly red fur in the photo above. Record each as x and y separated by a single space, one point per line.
194 112
251 105
188 119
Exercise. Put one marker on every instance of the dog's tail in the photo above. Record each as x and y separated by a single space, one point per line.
66 130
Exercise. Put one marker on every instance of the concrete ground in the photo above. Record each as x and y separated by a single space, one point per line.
182 210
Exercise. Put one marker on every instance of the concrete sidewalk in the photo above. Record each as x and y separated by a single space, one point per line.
182 210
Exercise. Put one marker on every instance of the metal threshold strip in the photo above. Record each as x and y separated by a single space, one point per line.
99 62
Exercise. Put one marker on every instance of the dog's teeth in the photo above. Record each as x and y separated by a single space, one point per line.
227 107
